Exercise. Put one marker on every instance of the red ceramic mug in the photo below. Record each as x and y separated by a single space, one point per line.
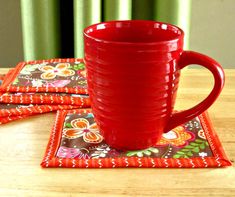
133 70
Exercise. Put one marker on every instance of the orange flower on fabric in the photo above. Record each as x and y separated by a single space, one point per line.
176 137
61 69
82 128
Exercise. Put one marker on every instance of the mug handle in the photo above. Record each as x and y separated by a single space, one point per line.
187 58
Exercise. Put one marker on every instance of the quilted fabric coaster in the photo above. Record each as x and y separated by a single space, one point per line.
53 75
14 106
76 142
81 100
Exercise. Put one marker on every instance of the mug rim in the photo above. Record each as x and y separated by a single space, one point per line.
162 24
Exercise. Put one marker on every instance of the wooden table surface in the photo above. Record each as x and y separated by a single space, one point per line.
23 143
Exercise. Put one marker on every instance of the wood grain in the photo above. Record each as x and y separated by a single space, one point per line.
22 146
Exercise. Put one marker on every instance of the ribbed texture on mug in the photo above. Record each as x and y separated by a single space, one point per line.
132 89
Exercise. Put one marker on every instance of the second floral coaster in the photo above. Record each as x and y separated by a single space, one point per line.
76 142
53 75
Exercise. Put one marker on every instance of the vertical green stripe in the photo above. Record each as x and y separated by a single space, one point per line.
40 27
142 10
117 9
176 12
86 12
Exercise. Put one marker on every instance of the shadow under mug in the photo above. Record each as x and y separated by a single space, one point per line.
133 70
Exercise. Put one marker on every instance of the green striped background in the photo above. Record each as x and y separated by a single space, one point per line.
53 28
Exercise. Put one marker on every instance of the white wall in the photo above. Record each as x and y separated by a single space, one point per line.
11 48
213 30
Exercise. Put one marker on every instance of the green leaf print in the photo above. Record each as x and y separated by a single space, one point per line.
196 149
189 147
193 147
190 154
68 125
141 153
154 150
177 156
28 69
202 146
69 67
80 66
199 141
180 153
16 81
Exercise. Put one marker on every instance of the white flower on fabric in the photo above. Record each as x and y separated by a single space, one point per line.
100 152
202 154
37 83
61 69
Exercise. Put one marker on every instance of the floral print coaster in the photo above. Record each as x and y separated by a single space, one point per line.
76 142
14 106
53 75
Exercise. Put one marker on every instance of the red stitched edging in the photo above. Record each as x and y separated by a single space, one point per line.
55 135
213 139
45 99
51 161
43 89
7 77
54 138
11 75
2 76
4 120
31 110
